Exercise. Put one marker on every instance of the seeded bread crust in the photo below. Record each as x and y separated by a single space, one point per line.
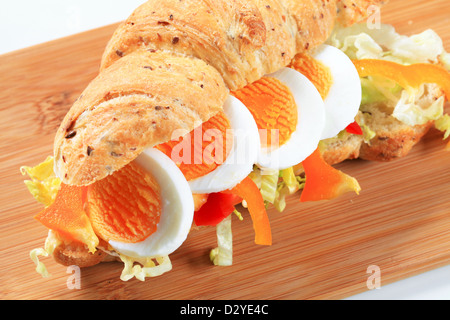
170 66
338 150
144 99
389 145
242 39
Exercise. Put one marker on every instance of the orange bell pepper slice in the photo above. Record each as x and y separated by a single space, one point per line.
67 217
323 181
249 191
405 75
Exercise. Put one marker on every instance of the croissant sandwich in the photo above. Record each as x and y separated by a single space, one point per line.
206 109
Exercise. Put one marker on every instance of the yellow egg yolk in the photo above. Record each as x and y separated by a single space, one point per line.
207 147
125 206
273 107
316 72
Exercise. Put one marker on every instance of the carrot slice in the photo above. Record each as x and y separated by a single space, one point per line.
249 191
323 181
67 217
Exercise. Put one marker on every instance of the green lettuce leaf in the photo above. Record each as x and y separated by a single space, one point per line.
410 111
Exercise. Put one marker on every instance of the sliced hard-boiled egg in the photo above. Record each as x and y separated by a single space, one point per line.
176 211
337 80
222 151
290 116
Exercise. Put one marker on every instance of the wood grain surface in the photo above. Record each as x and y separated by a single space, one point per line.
400 222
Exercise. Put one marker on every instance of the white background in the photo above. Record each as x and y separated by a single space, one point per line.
24 23
27 22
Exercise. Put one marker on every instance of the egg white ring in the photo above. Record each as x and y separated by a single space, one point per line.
177 210
310 125
242 155
344 98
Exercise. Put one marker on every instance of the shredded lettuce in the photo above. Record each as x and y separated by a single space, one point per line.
410 106
410 111
269 183
51 243
379 89
40 267
255 175
142 268
44 184
288 184
223 254
238 215
275 185
280 200
443 124
133 267
370 92
289 179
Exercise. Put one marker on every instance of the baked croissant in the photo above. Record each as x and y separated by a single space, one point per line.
173 64
187 55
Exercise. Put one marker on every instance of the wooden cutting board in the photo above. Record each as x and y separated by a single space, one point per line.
400 222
